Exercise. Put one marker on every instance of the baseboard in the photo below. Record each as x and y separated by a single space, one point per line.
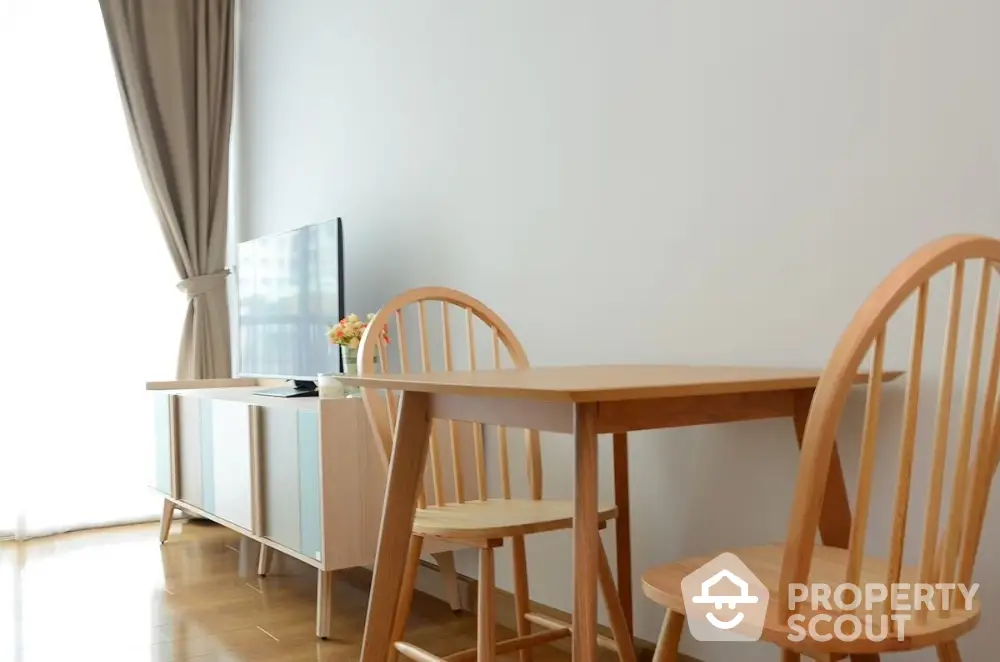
429 583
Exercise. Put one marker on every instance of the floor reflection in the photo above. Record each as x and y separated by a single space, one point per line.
118 595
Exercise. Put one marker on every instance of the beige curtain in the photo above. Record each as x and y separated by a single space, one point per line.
174 62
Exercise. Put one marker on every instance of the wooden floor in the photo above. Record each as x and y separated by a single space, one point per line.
117 594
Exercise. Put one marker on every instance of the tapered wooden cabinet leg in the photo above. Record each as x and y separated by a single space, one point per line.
522 601
405 599
486 635
616 612
264 562
449 576
669 642
324 603
166 519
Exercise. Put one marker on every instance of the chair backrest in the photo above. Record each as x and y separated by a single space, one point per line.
410 320
951 535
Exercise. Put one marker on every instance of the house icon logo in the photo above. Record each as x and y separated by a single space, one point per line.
725 601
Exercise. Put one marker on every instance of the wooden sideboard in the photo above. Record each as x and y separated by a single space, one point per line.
299 475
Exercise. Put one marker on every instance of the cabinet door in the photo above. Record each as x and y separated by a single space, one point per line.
214 441
280 476
290 479
310 507
191 453
161 438
226 476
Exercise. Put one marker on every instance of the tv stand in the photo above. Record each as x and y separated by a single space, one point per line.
301 389
301 476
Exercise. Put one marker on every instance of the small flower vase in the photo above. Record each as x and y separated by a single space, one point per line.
349 357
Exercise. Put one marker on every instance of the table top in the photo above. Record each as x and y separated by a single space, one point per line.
601 383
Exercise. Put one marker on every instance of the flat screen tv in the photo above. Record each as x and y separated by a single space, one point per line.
290 290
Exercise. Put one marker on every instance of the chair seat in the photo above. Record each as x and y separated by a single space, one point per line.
498 518
662 584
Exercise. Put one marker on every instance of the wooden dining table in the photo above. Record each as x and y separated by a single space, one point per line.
584 401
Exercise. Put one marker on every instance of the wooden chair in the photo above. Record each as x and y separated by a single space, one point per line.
467 517
950 537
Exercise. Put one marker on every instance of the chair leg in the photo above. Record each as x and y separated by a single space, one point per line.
405 599
486 633
446 567
789 656
324 603
264 560
166 519
949 652
616 613
522 601
669 641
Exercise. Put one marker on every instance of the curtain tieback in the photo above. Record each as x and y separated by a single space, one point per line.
199 285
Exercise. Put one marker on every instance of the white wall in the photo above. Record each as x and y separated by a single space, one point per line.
716 182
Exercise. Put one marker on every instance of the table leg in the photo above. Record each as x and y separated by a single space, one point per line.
406 468
586 536
623 527
835 517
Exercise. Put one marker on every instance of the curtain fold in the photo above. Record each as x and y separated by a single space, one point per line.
174 65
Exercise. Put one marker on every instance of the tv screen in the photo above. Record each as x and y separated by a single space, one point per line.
290 290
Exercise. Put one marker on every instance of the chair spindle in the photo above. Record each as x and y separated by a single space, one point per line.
907 440
425 362
456 457
502 429
477 428
869 436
